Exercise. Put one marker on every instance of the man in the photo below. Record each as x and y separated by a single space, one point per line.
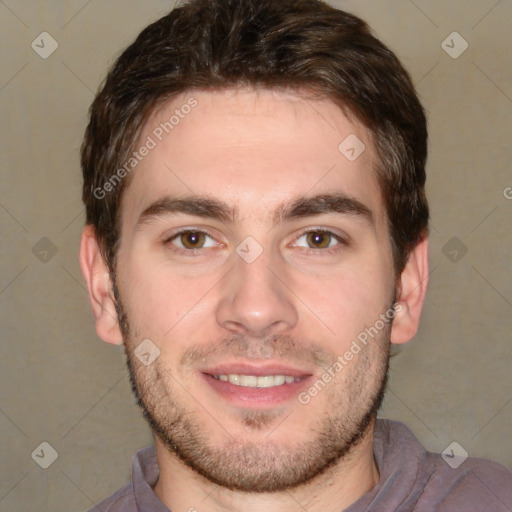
257 238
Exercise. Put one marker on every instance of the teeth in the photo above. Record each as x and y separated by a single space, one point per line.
251 381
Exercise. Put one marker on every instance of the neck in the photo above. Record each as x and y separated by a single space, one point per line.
183 490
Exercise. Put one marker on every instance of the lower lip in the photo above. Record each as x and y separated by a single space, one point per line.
254 397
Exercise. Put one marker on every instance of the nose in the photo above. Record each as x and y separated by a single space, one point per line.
256 301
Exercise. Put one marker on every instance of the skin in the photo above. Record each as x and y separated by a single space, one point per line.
257 151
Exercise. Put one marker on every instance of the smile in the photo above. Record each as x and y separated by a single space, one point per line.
251 381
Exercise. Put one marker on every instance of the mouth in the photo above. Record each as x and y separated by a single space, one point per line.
253 381
253 386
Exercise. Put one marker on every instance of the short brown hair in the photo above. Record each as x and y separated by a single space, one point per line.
297 44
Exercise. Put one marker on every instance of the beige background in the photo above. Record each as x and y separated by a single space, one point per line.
61 385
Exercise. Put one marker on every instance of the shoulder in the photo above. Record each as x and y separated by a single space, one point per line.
139 491
121 501
445 483
477 484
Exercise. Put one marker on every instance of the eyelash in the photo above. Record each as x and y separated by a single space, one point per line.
185 251
328 250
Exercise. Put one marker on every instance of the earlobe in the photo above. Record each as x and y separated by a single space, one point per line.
97 278
412 287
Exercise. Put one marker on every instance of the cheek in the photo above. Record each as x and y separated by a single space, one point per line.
159 302
346 302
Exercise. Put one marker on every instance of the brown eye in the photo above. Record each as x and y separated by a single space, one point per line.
191 240
319 239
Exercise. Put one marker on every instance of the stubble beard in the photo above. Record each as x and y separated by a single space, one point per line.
241 465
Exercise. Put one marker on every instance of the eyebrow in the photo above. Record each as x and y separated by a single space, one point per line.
214 209
193 205
323 204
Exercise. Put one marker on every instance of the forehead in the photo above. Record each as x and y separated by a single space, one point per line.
254 149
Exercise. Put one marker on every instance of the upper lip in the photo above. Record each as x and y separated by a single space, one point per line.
260 370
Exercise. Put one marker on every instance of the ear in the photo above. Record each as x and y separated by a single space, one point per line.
99 284
411 289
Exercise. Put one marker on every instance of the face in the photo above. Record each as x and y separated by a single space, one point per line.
253 255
